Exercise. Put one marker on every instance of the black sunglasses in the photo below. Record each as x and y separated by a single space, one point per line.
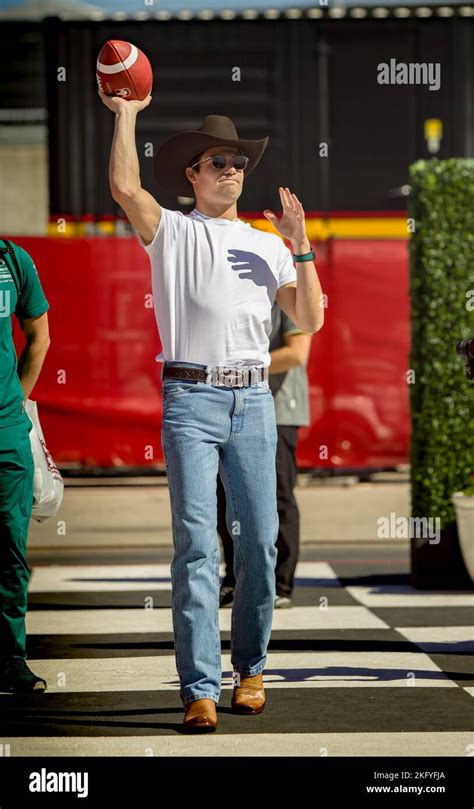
220 161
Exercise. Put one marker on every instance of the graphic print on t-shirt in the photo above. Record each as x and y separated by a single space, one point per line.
254 268
7 288
214 282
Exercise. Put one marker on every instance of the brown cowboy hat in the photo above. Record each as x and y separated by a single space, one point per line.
175 153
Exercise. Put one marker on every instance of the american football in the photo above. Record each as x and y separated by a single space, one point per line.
123 70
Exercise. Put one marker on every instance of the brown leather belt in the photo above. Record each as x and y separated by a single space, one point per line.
220 375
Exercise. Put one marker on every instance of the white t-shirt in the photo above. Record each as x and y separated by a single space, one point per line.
214 282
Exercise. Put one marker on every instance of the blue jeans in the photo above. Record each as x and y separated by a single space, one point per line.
208 429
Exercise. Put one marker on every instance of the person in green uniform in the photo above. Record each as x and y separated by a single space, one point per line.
21 294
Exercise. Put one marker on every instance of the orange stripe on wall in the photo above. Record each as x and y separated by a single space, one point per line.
318 229
347 228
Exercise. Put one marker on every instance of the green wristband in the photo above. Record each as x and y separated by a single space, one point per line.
306 257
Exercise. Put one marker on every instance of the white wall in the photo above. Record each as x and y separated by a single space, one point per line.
24 189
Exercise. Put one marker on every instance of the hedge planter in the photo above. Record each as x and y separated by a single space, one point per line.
441 248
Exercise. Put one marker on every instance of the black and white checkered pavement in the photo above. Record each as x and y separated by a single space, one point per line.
361 665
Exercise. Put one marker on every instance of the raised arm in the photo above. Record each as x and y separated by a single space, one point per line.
142 210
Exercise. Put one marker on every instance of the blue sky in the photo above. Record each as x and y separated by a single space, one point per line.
132 6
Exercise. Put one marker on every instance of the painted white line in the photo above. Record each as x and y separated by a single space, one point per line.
124 621
246 744
99 578
117 578
401 596
282 671
441 639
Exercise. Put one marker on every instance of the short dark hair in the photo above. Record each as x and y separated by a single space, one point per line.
195 160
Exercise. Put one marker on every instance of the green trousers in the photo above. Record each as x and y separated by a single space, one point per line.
16 503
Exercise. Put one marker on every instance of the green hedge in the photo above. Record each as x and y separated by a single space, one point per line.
441 273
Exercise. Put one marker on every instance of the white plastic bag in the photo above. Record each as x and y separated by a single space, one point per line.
48 485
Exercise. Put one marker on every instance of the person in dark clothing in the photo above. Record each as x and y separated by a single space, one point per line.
289 351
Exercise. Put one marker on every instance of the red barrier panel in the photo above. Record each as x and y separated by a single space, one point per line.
358 363
99 393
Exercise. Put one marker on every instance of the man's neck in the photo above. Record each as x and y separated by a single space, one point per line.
216 211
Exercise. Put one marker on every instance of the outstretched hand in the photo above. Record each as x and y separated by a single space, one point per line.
291 225
115 103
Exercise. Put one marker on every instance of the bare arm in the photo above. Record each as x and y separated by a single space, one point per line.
295 352
32 357
143 211
302 301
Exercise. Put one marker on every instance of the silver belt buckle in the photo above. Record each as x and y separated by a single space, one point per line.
222 376
234 378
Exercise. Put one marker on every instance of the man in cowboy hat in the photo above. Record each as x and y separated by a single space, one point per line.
214 280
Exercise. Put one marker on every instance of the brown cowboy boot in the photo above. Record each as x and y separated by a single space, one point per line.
249 694
200 716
